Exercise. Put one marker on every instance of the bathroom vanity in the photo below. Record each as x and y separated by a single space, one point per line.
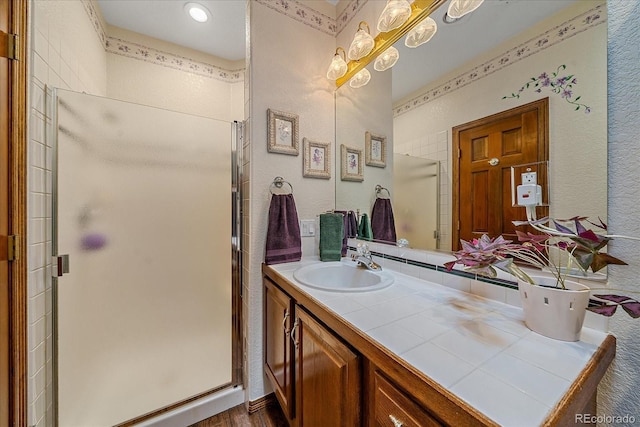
419 354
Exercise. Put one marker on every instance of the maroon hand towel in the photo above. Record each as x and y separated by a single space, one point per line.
283 231
382 223
353 224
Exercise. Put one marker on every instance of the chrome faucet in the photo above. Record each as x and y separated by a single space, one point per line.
364 258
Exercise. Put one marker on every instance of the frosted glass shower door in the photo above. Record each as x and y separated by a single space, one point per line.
416 202
143 208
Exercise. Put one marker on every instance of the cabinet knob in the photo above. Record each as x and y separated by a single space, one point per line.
396 422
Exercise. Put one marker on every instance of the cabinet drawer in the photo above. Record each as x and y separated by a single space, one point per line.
392 407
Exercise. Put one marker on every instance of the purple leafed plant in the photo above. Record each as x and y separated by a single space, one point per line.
579 244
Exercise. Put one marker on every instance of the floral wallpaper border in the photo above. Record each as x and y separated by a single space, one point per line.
96 21
570 28
303 14
291 8
348 13
166 59
158 57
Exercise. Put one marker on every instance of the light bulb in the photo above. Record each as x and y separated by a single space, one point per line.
362 43
421 33
395 13
459 8
387 59
360 79
338 67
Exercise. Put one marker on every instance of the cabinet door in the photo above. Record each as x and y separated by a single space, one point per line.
328 377
391 407
278 315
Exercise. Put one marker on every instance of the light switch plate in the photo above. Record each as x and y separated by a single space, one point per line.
307 228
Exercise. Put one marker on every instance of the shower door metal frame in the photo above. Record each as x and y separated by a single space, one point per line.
237 132
237 143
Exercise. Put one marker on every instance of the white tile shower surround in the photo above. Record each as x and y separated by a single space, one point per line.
478 348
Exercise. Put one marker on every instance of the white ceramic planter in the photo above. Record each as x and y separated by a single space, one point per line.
554 312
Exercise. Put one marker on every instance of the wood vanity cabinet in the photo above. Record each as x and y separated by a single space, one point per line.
327 373
391 406
278 363
327 376
316 377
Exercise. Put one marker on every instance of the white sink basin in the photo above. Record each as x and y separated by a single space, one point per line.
342 277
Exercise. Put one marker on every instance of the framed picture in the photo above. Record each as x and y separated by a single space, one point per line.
375 150
351 164
317 159
283 132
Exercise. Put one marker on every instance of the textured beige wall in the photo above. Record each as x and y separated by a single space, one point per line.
619 394
287 73
65 52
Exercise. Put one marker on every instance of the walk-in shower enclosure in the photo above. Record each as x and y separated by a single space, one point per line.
143 208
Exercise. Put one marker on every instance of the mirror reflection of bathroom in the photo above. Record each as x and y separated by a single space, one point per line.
449 83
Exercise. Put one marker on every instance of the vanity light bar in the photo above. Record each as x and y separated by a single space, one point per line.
420 9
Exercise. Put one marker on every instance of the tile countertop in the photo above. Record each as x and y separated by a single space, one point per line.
478 349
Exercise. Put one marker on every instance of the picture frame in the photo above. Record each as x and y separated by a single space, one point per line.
316 159
375 150
351 161
282 129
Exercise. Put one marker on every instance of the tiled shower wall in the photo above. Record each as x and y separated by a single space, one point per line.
65 53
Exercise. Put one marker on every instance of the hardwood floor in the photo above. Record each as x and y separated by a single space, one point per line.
270 416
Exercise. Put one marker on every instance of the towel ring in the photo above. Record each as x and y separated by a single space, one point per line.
379 189
278 182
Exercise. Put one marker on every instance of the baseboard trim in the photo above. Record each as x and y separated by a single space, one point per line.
261 403
198 410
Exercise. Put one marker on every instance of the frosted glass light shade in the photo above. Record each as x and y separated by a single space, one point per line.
338 67
421 33
387 59
395 13
361 45
459 8
360 79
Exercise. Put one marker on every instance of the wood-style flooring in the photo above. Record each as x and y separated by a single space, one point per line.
270 416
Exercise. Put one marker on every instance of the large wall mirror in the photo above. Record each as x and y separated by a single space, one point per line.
503 55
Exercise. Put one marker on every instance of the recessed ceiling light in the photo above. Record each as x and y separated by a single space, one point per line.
197 11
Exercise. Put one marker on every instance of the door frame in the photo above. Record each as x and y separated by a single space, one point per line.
542 107
16 109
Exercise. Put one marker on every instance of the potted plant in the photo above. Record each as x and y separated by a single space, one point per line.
553 305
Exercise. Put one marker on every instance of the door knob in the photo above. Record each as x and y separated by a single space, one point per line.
494 162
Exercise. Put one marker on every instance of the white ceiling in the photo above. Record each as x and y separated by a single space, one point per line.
224 35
